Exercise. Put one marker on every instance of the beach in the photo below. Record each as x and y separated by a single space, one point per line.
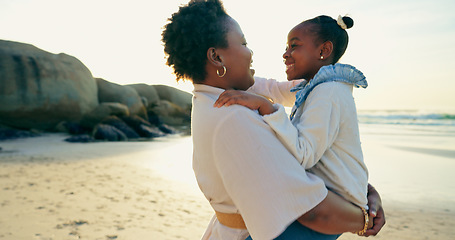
52 189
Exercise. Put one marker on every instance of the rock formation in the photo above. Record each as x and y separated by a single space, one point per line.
112 92
41 91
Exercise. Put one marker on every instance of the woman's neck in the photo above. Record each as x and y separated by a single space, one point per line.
216 82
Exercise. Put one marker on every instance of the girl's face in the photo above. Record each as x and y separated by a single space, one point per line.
237 58
302 56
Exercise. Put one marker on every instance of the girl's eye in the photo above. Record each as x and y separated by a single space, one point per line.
292 46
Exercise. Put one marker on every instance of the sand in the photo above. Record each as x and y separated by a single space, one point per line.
51 189
414 172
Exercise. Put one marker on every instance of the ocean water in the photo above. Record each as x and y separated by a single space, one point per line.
438 123
410 155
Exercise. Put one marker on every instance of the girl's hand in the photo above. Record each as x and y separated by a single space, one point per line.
249 100
377 216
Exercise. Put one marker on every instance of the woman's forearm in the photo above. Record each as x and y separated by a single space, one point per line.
334 215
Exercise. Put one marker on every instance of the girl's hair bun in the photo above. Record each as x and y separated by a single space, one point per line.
348 21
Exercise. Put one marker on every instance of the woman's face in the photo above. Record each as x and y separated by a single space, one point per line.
302 56
237 58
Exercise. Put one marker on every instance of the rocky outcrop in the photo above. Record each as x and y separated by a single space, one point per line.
144 128
112 92
148 92
40 89
103 111
170 113
166 105
173 95
12 133
121 126
108 133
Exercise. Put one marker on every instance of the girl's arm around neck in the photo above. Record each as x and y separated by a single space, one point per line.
263 105
279 91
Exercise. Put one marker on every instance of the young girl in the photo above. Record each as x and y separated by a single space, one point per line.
323 132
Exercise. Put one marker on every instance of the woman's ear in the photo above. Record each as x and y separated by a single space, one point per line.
326 49
214 58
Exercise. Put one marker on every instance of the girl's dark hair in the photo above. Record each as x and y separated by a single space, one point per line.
326 28
196 27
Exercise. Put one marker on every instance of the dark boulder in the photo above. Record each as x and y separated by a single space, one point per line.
73 128
122 126
108 133
142 127
7 133
112 92
103 111
167 129
150 132
148 92
170 113
175 96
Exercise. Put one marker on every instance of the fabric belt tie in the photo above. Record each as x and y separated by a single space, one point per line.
232 220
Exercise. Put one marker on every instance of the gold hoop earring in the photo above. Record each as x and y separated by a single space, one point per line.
218 72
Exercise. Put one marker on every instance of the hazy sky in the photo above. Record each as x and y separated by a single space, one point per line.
405 48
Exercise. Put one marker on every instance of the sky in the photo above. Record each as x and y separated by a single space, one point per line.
405 48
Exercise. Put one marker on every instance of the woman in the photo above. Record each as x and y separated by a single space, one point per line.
250 179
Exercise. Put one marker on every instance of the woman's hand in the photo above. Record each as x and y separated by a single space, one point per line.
249 100
377 216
